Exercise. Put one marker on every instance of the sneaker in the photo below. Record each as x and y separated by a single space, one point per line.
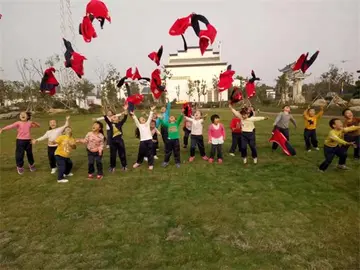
165 164
53 170
343 167
317 148
191 159
320 171
211 160
111 170
63 181
32 168
177 165
136 165
151 168
70 174
156 157
107 146
245 160
99 177
20 170
255 160
232 154
146 159
124 169
205 158
308 150
220 161
90 176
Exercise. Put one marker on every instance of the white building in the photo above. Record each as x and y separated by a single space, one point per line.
191 65
270 93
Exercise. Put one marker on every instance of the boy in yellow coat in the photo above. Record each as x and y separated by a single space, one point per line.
310 128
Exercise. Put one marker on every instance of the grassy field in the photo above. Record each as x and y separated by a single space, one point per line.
279 214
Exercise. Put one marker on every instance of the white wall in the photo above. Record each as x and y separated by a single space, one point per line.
181 75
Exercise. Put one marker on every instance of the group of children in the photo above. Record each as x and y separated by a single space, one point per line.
61 141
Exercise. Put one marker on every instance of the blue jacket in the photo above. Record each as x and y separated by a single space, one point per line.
166 115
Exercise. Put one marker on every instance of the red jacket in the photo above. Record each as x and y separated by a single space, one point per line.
235 125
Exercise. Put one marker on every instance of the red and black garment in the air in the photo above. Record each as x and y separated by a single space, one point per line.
280 139
133 76
236 95
250 85
49 82
156 56
99 10
187 110
74 59
86 28
303 63
156 86
226 79
132 100
206 36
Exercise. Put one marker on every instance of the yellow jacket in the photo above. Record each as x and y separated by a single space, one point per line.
311 121
64 148
336 137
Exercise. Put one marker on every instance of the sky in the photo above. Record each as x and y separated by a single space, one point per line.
264 35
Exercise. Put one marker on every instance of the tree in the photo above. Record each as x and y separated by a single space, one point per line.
215 88
198 89
204 90
166 75
191 89
83 89
109 88
282 87
178 92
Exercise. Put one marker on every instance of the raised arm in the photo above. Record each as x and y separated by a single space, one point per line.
157 122
257 118
306 114
150 117
178 121
320 114
136 120
43 137
167 111
103 118
189 119
235 112
108 122
292 119
124 119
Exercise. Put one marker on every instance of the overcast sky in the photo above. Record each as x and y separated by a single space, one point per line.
263 35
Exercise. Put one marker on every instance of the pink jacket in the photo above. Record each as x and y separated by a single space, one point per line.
23 129
216 133
94 142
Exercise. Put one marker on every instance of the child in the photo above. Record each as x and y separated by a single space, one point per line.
109 114
155 133
247 133
165 112
235 126
197 138
282 124
216 135
310 128
334 142
66 143
51 135
187 131
354 136
117 145
146 140
173 144
95 147
23 141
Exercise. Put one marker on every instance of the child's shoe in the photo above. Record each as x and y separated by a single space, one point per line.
20 170
317 148
151 168
191 159
232 154
99 177
124 169
146 159
205 158
165 164
136 165
245 160
63 181
343 167
32 168
255 161
220 161
70 174
177 165
156 157
211 160
111 170
53 170
90 176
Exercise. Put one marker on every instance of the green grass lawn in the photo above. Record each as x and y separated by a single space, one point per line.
279 214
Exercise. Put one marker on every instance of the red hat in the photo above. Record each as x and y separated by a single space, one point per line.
250 85
155 84
156 56
77 63
87 30
280 139
236 95
49 82
226 79
99 10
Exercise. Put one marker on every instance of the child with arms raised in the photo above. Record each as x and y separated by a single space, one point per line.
216 136
65 144
109 115
311 119
94 141
146 140
23 141
197 138
334 144
354 136
173 143
51 136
